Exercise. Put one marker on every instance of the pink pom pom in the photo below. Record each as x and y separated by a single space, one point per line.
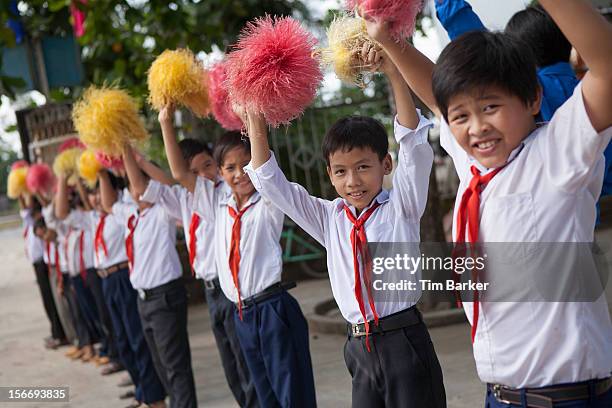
40 179
19 164
219 97
70 144
400 14
273 70
109 162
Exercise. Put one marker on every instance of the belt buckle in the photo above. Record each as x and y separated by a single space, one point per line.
355 330
210 285
142 294
497 394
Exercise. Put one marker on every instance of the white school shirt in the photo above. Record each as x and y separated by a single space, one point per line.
78 221
156 261
547 193
396 220
261 262
34 246
49 257
178 202
113 235
61 230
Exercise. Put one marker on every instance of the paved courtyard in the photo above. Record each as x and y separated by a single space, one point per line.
24 361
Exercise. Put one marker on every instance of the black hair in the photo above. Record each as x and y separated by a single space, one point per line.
192 147
118 183
480 59
535 27
227 142
356 132
40 224
36 208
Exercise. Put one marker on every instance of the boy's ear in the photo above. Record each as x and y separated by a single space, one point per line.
387 163
536 106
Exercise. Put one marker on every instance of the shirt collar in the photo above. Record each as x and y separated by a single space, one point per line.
229 200
381 198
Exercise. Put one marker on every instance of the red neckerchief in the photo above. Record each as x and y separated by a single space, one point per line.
359 244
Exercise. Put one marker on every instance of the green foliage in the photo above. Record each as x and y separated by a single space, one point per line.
7 157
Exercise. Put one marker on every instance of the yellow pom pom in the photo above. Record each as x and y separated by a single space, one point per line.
16 183
177 77
66 163
346 37
107 119
89 167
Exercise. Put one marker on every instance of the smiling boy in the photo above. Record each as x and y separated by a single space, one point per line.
523 182
356 152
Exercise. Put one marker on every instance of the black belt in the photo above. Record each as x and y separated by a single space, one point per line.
212 284
549 396
103 273
145 294
267 293
396 321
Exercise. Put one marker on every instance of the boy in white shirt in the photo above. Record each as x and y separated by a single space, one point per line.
388 353
199 235
524 183
270 326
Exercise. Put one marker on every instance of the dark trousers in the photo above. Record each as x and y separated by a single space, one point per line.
273 336
595 401
164 321
401 370
94 284
132 348
82 332
221 311
46 294
88 311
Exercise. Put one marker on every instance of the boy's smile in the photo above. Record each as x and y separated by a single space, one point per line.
357 175
232 171
490 124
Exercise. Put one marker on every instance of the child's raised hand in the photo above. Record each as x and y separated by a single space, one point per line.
166 115
256 124
376 59
378 30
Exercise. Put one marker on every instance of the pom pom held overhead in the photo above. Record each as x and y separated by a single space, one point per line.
220 102
346 37
272 70
399 14
177 77
65 164
107 120
88 167
40 179
16 183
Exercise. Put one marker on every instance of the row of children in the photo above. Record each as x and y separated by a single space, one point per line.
520 181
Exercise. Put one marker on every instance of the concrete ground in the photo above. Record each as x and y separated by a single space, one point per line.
25 362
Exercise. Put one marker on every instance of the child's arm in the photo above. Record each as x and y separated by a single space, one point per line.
178 166
137 179
169 197
108 195
62 207
415 67
83 195
415 156
591 35
154 172
309 212
457 17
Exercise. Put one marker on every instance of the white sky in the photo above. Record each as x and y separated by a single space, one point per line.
494 14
